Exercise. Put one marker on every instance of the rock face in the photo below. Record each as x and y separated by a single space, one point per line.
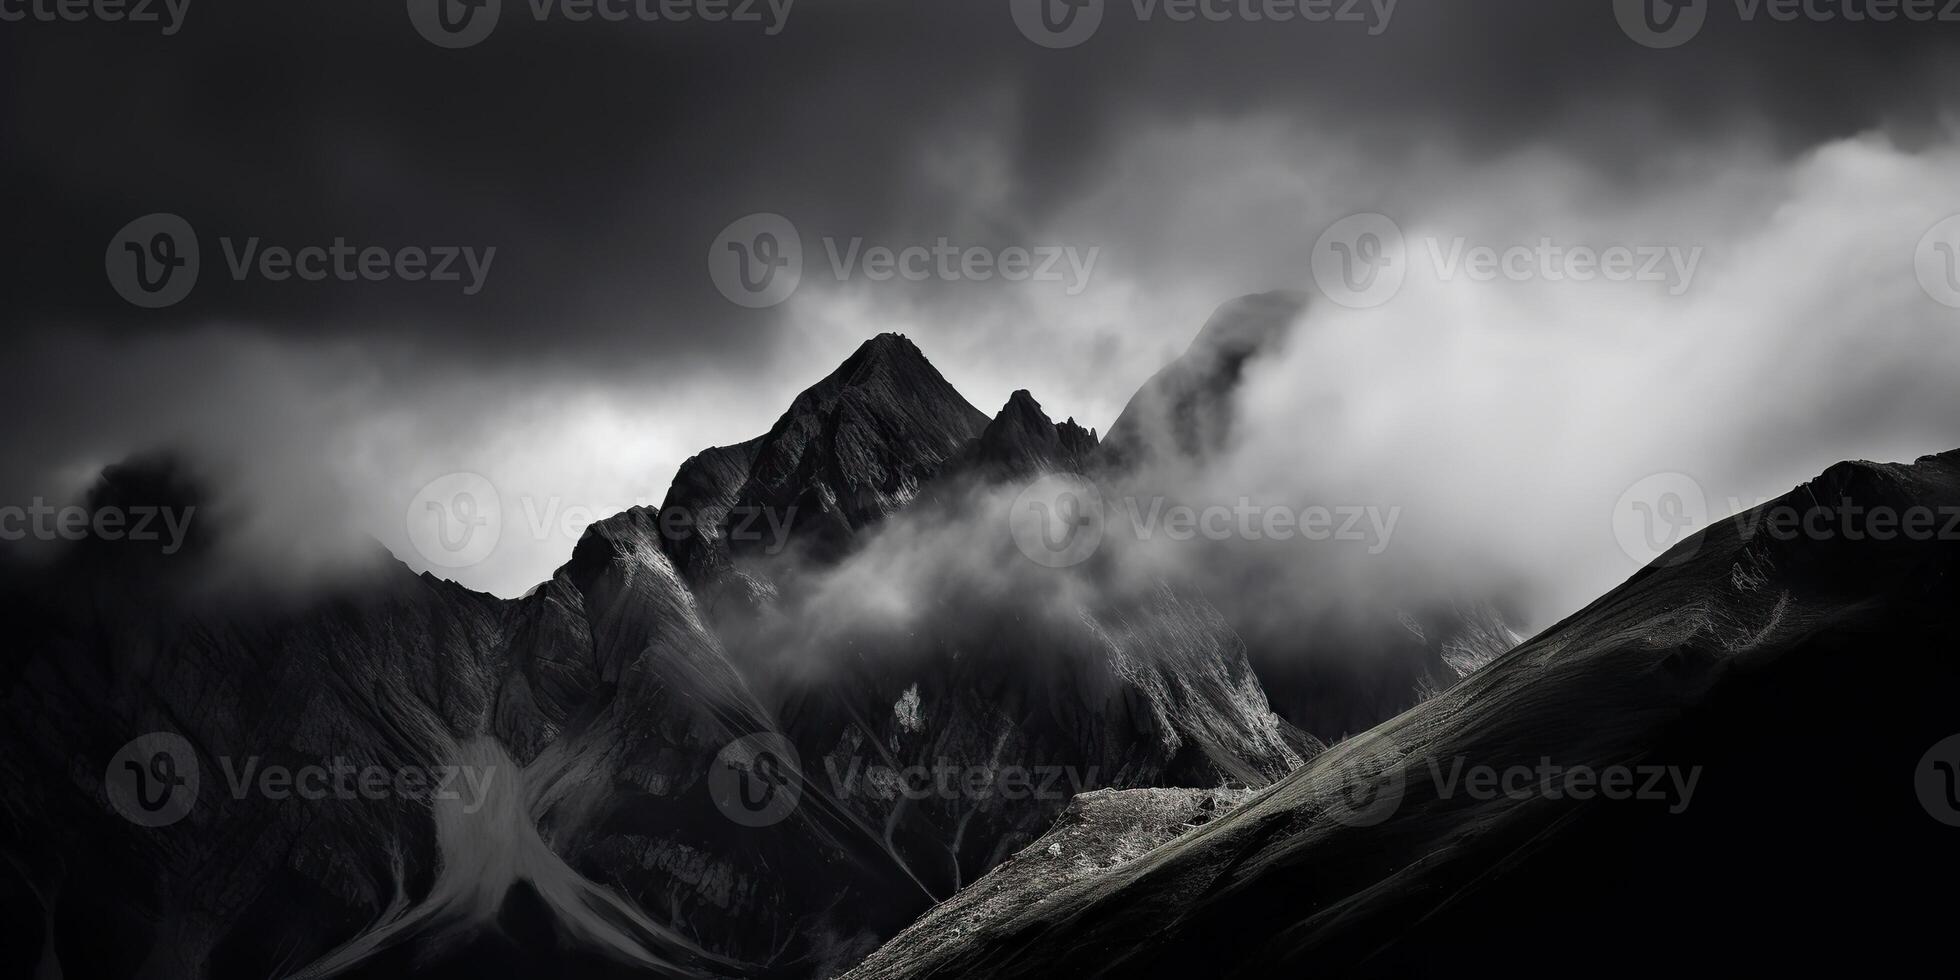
705 489
592 711
923 729
1022 441
833 614
858 445
108 646
1099 832
596 711
1791 665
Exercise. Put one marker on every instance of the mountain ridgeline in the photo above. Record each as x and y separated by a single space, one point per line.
606 708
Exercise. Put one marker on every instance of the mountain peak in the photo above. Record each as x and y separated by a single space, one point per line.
889 350
1021 404
1186 409
851 448
892 342
1023 440
1247 325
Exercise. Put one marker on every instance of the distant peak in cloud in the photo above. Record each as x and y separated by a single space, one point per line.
1186 410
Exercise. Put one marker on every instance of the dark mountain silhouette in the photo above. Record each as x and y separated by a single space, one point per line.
1022 441
1801 661
603 702
1150 689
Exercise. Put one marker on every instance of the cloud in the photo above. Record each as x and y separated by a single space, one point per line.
601 159
1501 420
312 451
1200 160
1508 417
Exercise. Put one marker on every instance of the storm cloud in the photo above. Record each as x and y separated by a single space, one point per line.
1201 160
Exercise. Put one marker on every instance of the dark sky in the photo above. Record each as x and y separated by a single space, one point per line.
1201 160
602 158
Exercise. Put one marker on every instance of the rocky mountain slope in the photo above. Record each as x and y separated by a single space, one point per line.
1098 833
1003 674
599 710
592 710
1772 691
